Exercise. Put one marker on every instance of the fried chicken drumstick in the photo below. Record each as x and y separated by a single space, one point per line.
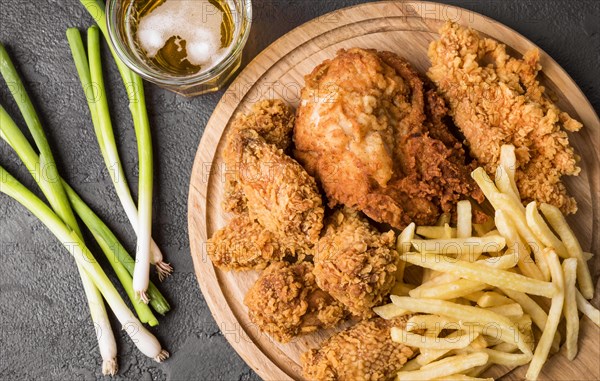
355 263
285 302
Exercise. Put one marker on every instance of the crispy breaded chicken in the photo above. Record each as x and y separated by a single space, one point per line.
279 193
364 352
243 244
285 302
377 141
496 99
355 263
273 120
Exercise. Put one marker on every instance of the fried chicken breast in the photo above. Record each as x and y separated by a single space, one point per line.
285 302
364 352
355 263
273 120
376 140
496 99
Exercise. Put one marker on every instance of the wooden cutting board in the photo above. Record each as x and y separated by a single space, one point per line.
406 28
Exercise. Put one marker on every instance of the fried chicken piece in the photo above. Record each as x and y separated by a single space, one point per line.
376 140
496 99
364 352
272 119
355 263
243 244
280 195
285 302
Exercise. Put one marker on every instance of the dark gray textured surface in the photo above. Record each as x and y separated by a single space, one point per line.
45 331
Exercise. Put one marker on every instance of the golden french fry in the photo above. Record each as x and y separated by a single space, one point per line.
537 313
412 364
588 310
445 367
389 311
482 273
474 297
508 359
443 220
512 311
559 224
461 377
505 173
539 227
435 232
543 347
411 339
492 299
449 232
468 246
465 314
570 307
403 242
420 322
464 227
509 232
587 256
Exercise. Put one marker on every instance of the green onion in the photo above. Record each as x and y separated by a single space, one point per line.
137 106
54 192
114 251
142 338
91 77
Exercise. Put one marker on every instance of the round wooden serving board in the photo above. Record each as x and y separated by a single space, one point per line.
406 28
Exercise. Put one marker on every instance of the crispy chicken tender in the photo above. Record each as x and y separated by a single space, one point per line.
355 263
243 244
376 140
364 352
280 195
272 119
496 99
285 302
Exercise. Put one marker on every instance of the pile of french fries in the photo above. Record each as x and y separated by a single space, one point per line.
485 287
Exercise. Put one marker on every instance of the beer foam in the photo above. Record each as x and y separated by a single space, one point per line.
197 22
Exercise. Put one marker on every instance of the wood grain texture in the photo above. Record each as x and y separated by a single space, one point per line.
406 28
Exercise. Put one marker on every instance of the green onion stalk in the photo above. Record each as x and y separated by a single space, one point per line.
98 105
114 251
137 107
142 338
46 179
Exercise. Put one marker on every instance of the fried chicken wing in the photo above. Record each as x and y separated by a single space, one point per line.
273 120
285 302
355 263
280 195
364 352
376 140
496 99
244 244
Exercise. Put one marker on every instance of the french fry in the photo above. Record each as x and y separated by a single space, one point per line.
464 227
587 256
588 310
435 232
509 232
443 220
539 227
412 364
543 347
411 339
537 313
445 367
511 311
559 224
482 273
469 246
492 299
390 311
508 162
484 228
508 359
570 307
419 322
516 211
462 377
403 245
507 328
474 297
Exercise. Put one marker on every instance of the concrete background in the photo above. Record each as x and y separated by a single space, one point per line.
45 329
